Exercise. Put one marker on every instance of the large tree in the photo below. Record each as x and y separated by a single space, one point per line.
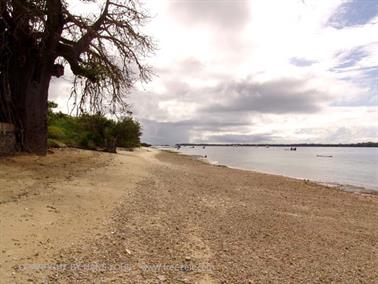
103 46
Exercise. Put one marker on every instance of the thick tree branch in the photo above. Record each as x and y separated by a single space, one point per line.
68 53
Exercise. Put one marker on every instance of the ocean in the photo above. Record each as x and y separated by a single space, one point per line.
356 169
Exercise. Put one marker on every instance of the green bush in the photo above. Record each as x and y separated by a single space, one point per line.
128 133
93 131
55 132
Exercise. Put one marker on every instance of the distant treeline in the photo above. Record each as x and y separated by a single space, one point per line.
363 144
92 131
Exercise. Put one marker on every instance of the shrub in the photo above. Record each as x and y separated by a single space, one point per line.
93 131
128 133
55 132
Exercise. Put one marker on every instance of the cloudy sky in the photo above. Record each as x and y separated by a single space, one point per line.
259 71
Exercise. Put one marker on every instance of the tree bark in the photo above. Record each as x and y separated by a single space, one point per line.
28 69
29 87
111 145
35 118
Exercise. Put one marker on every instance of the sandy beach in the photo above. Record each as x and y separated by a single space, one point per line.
151 216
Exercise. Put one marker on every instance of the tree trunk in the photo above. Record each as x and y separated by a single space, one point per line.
28 66
29 87
35 118
111 145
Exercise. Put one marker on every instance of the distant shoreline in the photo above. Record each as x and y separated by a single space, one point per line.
365 144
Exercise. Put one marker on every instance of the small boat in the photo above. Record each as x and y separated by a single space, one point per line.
293 149
324 156
203 147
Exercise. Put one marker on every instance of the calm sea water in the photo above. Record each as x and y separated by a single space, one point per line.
357 167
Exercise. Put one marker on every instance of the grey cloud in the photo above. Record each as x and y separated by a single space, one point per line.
233 138
161 133
229 107
227 123
279 97
274 97
191 65
301 61
176 87
225 14
219 122
177 132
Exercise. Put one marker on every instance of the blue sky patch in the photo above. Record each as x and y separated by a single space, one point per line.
352 58
355 12
368 77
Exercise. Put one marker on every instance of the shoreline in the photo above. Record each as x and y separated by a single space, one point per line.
357 189
153 216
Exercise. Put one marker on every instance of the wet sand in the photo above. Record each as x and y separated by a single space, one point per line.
150 216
